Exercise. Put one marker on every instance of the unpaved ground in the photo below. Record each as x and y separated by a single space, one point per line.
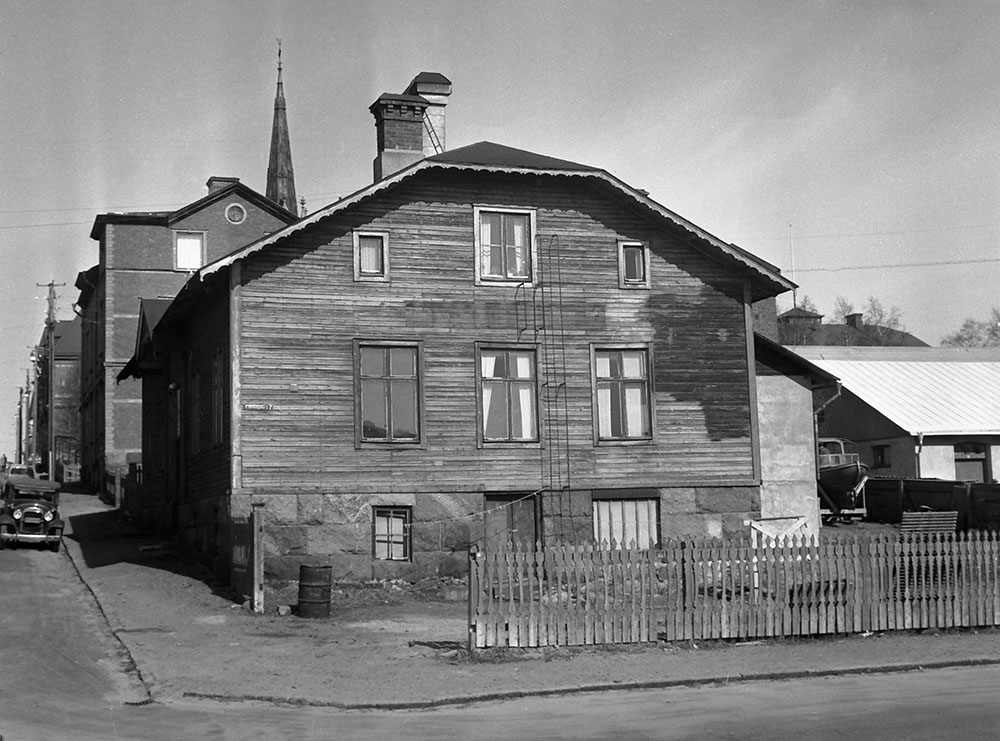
390 644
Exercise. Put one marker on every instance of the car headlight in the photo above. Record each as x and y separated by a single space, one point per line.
17 514
48 516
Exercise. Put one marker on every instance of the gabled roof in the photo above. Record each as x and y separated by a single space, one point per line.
151 310
490 157
798 311
67 337
769 351
923 390
166 218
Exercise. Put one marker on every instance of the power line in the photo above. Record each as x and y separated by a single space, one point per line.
934 263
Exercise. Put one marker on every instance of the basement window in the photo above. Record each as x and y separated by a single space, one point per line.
391 533
626 523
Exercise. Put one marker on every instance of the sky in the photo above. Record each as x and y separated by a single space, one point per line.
852 144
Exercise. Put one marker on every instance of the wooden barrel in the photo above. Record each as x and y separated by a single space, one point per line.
314 591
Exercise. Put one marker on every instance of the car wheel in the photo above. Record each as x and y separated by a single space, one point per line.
3 544
55 545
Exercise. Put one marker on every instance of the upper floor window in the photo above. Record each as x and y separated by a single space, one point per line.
388 399
189 250
371 256
504 245
622 406
235 213
633 265
508 392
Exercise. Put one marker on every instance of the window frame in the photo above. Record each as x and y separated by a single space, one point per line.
623 281
532 251
359 275
360 441
389 512
235 208
622 499
596 348
202 236
481 440
881 456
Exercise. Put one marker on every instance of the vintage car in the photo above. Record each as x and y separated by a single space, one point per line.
29 511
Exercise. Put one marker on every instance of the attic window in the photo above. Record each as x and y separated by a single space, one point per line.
371 256
235 213
633 265
189 250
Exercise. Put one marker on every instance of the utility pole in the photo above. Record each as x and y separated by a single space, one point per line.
50 331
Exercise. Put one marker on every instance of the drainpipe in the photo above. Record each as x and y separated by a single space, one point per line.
920 449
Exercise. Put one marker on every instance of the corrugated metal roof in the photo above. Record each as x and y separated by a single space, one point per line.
934 391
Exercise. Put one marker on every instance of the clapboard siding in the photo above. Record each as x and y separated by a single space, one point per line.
301 311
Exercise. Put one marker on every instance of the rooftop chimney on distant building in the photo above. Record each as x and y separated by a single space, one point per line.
855 320
410 126
216 183
280 176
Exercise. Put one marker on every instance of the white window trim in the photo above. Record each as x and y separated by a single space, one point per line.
236 208
532 247
650 386
622 281
369 277
392 512
190 233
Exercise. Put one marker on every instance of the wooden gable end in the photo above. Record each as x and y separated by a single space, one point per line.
302 312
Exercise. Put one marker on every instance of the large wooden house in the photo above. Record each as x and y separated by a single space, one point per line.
487 344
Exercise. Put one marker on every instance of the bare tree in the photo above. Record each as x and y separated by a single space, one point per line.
976 333
842 308
807 304
882 324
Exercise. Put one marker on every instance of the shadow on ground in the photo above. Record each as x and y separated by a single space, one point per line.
111 537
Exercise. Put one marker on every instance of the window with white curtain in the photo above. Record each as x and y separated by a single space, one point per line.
189 250
371 256
504 245
507 378
626 523
621 379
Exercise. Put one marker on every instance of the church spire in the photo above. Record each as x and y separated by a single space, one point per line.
280 177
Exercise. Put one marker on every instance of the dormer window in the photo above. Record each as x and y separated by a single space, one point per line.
505 245
633 265
189 250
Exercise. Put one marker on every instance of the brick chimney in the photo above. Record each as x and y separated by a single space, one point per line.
410 126
215 183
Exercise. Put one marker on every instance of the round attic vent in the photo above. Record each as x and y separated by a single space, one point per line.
235 213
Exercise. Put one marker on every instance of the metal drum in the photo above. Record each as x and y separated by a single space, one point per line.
314 591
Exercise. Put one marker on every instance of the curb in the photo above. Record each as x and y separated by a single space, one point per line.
628 686
127 661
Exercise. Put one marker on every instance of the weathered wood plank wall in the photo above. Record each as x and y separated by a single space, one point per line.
301 311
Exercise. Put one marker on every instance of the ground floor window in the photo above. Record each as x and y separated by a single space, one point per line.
391 536
627 523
